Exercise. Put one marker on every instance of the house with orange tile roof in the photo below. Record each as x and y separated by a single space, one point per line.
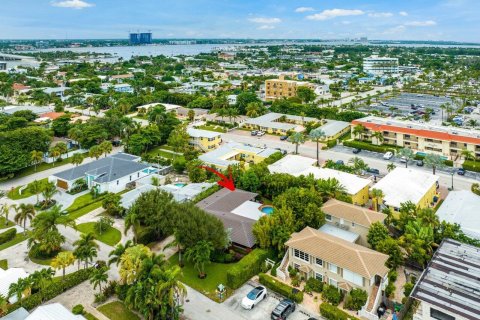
422 138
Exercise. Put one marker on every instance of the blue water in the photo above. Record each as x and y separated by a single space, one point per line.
180 185
267 210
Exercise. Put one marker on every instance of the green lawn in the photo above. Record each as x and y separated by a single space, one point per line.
15 195
4 264
82 201
216 274
43 262
3 225
212 128
111 237
160 151
89 316
18 238
117 311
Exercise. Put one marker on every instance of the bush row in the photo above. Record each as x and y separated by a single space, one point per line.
368 146
51 291
471 165
8 235
333 313
246 268
280 287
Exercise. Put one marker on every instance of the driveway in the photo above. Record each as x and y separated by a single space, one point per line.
262 310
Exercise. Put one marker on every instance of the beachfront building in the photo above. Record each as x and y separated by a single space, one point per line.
422 138
204 140
380 65
408 185
110 174
448 288
356 187
337 262
233 153
281 88
278 123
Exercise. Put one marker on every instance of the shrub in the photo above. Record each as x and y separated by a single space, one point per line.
8 235
407 288
295 281
368 146
246 268
280 287
475 188
331 143
273 271
471 165
392 276
356 299
314 285
78 309
99 298
330 312
109 290
390 289
292 272
179 164
332 295
265 267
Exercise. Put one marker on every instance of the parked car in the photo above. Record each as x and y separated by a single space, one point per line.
356 150
340 162
253 132
419 163
256 295
403 159
283 138
388 155
461 171
373 171
285 308
260 133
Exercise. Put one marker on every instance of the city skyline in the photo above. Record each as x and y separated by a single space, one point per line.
449 20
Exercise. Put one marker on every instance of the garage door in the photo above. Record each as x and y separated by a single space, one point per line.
62 184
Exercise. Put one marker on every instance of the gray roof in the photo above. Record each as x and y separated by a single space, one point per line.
105 169
333 127
34 109
270 120
221 204
221 155
19 314
451 281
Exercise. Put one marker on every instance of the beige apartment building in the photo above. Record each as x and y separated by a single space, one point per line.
422 138
282 88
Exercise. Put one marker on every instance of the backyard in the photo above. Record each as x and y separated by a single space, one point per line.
117 311
15 195
111 236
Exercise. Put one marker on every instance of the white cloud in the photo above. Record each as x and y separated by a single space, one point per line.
74 4
266 27
265 20
395 30
403 13
380 14
304 9
333 13
427 23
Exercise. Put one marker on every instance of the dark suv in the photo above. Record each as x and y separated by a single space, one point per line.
285 308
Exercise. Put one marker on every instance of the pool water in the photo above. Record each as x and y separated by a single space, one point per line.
180 185
267 210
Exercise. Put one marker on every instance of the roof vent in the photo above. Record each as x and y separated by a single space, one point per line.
454 132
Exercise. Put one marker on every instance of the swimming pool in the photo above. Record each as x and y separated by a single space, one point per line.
180 184
267 209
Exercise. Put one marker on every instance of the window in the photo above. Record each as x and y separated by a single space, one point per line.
118 182
352 277
138 174
318 262
130 178
318 276
296 266
353 224
328 217
437 314
301 255
333 268
333 282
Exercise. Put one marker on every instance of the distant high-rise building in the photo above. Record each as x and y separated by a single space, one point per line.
140 38
380 65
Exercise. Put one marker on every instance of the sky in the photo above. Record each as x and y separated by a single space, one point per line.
451 20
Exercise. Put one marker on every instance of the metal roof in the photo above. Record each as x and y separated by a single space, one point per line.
451 281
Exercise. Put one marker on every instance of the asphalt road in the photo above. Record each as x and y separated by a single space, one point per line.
374 160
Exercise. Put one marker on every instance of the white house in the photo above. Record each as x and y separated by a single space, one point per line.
109 174
9 276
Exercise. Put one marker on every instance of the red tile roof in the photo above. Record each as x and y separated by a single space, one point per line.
52 115
19 86
444 136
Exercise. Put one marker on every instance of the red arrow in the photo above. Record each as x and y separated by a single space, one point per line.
224 182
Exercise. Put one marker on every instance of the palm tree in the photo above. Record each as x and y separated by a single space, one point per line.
3 305
435 161
317 135
378 136
48 192
407 153
358 131
254 109
200 255
473 123
36 157
95 152
36 187
131 263
377 196
54 153
27 212
99 276
85 248
17 289
62 261
359 165
77 159
62 148
41 279
231 113
330 188
297 138
106 147
391 166
4 211
119 250
172 288
131 222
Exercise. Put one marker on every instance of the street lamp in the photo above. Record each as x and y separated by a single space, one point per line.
452 173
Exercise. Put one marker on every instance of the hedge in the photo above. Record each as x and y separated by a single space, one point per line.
471 165
8 235
280 287
368 146
246 268
54 289
333 313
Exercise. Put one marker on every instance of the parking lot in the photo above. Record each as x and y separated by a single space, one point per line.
264 308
